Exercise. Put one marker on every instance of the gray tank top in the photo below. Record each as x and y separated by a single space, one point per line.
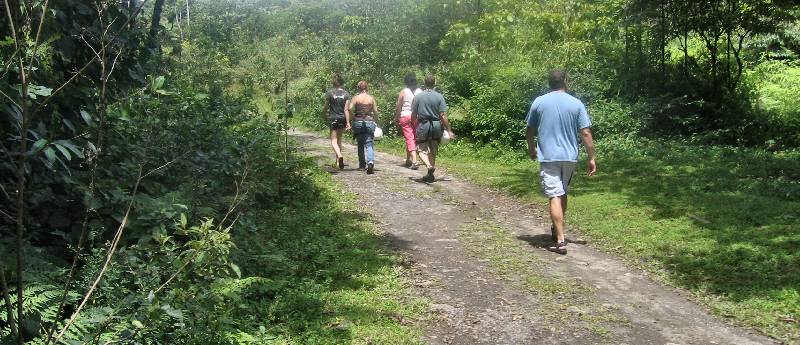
337 98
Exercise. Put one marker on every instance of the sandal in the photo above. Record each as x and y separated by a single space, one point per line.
559 248
414 166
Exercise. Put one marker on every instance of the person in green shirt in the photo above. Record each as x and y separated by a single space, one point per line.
429 111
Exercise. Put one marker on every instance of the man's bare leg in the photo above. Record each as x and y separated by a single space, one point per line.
433 146
423 155
557 205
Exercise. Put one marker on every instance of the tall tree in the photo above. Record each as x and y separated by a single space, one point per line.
155 22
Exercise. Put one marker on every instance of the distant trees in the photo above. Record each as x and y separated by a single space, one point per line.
685 63
721 26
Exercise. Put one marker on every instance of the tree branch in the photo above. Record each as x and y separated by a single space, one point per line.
9 98
7 298
165 164
7 67
110 255
79 72
38 32
20 172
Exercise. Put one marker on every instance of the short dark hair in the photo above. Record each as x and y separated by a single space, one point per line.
410 80
337 80
430 80
557 79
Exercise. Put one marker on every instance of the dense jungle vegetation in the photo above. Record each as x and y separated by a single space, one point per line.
147 197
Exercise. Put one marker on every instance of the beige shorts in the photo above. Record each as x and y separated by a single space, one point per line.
554 178
428 147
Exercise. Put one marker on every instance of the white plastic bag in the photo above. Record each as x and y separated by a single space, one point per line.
378 133
445 137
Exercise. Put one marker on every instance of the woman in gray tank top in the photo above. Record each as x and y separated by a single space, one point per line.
365 112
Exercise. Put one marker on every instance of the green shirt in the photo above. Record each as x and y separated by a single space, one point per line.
428 105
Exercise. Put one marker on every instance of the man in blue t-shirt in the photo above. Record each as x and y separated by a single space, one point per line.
558 119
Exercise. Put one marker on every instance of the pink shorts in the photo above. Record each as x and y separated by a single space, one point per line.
408 127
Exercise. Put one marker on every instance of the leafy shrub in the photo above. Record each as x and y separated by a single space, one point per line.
614 118
777 89
497 112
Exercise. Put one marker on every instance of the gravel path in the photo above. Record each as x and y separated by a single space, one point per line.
478 256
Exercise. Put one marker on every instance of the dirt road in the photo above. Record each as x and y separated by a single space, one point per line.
479 257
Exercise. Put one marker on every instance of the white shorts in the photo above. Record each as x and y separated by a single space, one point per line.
555 177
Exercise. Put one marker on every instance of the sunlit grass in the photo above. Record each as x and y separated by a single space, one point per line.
720 222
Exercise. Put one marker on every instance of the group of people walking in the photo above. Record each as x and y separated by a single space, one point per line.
421 114
555 124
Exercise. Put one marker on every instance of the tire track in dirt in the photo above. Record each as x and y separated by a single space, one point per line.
476 255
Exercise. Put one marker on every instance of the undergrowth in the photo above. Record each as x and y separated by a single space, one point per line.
317 272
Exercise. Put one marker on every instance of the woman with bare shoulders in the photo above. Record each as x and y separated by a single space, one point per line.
402 117
365 113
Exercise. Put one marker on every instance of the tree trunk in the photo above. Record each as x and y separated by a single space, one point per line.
685 49
158 7
663 44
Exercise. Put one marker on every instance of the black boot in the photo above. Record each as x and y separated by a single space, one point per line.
429 177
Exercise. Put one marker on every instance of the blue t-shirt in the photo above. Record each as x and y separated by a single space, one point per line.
558 117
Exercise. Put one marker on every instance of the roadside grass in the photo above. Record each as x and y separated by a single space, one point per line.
722 222
317 271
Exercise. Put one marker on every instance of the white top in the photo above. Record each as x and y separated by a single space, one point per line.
408 97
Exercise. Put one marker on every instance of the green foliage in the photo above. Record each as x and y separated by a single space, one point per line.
615 119
776 87
178 112
181 143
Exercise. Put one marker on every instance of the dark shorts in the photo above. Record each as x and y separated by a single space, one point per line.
428 130
337 123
